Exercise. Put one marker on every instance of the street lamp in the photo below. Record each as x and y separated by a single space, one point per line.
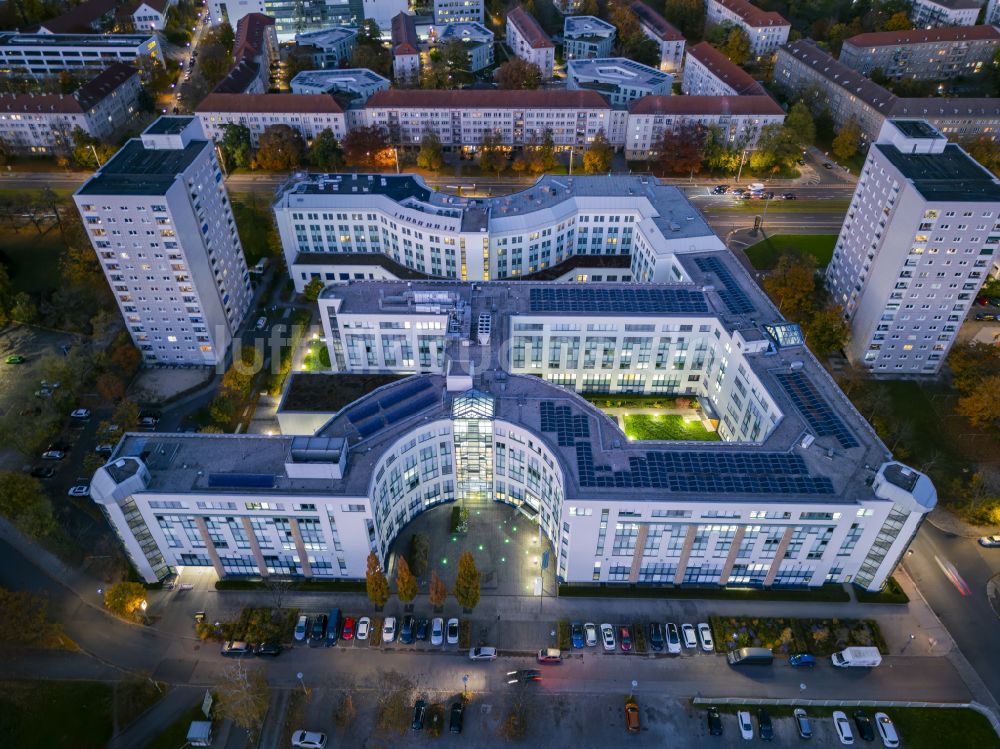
465 688
299 676
143 605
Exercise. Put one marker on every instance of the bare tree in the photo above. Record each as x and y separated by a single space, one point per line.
394 703
278 587
243 697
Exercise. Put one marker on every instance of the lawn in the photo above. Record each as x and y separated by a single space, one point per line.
175 734
670 427
255 225
55 714
32 260
764 255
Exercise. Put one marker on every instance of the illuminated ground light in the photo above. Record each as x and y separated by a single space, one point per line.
503 559
480 547
444 561
506 540
454 539
515 529
478 512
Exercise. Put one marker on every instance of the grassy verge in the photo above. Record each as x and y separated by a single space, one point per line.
639 638
175 734
305 586
465 634
135 697
891 594
782 206
375 632
826 593
32 259
666 427
55 714
564 640
764 255
789 635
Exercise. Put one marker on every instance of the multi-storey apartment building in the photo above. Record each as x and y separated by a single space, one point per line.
145 15
90 16
740 119
917 243
801 491
358 82
330 48
44 123
767 30
927 14
923 54
528 41
586 37
405 50
459 11
294 17
461 118
708 72
802 68
992 16
309 114
158 216
619 79
669 40
322 219
50 54
478 41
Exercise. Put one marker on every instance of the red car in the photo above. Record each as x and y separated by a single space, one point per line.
348 631
626 639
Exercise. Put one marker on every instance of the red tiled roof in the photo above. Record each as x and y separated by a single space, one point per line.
706 105
239 78
725 69
921 36
129 9
404 35
753 15
82 100
528 27
250 30
81 17
649 17
485 99
268 103
43 103
104 84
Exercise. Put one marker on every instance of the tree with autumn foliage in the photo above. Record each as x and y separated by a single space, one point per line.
438 592
406 583
368 148
680 150
466 589
375 582
792 285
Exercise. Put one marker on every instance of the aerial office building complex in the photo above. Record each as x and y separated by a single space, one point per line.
586 37
917 243
158 216
619 79
800 492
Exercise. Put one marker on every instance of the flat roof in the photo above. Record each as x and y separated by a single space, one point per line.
917 129
618 71
358 258
74 40
168 125
137 170
326 37
466 31
328 392
340 77
584 26
951 175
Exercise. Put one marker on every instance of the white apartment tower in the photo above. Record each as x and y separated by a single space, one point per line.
917 244
159 218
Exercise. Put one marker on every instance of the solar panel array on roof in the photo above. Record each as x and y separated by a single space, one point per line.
815 409
410 408
567 425
735 299
359 414
368 428
402 393
580 298
241 480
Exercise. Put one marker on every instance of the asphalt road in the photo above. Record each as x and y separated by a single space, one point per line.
952 572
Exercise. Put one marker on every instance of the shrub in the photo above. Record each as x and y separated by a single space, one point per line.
563 640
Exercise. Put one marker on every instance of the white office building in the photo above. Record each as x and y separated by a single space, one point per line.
767 30
708 72
478 41
158 216
917 243
927 14
586 37
669 40
330 48
800 492
459 11
357 82
50 54
529 41
323 219
619 79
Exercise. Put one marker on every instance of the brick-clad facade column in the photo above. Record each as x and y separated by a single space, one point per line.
727 568
254 546
682 563
640 544
300 547
779 555
209 546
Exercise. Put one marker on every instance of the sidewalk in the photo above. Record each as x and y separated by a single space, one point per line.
948 522
158 718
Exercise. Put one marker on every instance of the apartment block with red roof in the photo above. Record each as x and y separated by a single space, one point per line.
405 49
529 41
767 30
923 54
309 114
667 37
708 72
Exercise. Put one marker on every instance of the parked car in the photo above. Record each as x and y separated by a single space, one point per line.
148 422
53 455
364 625
801 660
656 637
827 165
457 713
989 541
524 676
43 472
788 196
632 717
80 490
886 730
714 721
687 632
261 322
626 639
317 636
389 629
309 740
104 449
236 649
986 316
482 654
549 655
420 631
720 189
673 639
15 359
764 725
60 446
347 631
865 729
608 637
80 413
843 726
453 631
746 726
406 630
437 631
576 634
419 710
802 723
590 633
705 635
272 649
